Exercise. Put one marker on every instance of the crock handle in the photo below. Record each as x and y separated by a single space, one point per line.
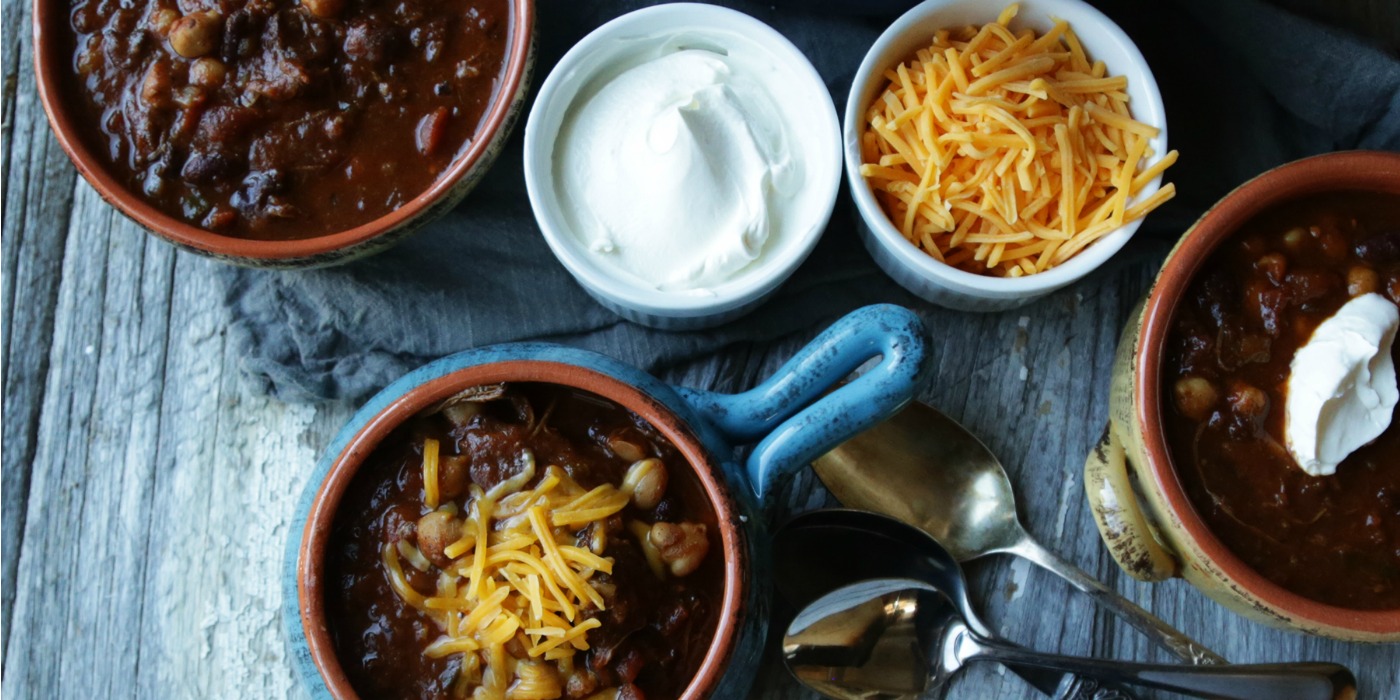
1119 515
796 422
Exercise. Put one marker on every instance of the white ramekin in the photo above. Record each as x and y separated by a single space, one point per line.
632 299
911 267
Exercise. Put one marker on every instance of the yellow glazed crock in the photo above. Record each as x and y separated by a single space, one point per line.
1139 505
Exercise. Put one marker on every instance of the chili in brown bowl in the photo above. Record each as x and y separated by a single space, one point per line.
1226 367
282 132
527 539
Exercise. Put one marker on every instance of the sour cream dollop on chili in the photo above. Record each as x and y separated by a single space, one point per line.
678 165
1341 385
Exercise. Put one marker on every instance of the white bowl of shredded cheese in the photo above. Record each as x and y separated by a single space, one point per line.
986 121
682 160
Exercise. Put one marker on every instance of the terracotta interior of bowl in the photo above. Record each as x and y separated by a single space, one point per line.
317 532
52 65
1348 171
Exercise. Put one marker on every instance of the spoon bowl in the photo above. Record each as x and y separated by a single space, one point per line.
869 640
870 545
924 468
893 638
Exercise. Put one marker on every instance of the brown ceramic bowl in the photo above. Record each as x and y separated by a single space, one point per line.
427 397
1152 530
792 417
52 67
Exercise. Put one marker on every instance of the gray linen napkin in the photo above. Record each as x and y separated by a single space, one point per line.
1247 86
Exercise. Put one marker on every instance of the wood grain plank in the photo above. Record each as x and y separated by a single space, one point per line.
237 464
16 18
38 195
121 439
66 484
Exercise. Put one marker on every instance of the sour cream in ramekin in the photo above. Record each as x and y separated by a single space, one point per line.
682 161
678 169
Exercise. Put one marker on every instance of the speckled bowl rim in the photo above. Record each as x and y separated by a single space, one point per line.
49 75
1347 171
316 532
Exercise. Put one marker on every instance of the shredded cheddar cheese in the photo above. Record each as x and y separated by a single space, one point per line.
1007 153
516 576
430 473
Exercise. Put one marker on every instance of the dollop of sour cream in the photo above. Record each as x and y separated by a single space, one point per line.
1341 385
676 166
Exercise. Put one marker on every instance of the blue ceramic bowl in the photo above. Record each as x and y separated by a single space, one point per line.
790 418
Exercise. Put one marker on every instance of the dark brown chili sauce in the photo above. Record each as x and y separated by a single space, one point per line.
281 119
1333 539
655 632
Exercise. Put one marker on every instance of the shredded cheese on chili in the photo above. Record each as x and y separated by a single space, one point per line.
516 576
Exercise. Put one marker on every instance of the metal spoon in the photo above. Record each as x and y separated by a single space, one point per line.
889 638
870 545
924 468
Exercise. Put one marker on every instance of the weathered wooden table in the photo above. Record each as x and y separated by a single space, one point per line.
147 492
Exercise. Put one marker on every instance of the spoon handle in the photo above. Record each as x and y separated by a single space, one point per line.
1060 686
1168 637
1299 681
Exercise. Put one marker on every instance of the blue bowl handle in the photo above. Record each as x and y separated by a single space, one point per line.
894 334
